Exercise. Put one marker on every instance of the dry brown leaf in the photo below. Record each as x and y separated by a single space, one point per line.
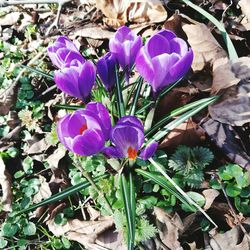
7 99
37 147
245 8
210 195
229 240
187 133
5 182
205 47
233 106
9 19
169 228
119 12
44 190
84 232
54 158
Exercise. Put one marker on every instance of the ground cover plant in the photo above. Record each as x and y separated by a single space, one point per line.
125 136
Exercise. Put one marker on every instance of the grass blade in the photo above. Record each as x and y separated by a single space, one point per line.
170 126
160 180
65 193
68 107
119 97
179 111
136 97
37 71
187 198
230 47
127 198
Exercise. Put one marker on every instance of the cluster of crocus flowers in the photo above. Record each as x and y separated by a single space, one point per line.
85 132
75 76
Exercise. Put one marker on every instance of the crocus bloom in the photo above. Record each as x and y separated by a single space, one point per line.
83 132
63 52
163 60
106 67
128 138
125 46
77 79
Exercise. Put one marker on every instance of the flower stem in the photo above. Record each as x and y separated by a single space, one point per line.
92 183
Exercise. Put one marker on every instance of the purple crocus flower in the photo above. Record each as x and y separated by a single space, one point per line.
106 67
83 132
163 60
128 138
63 53
125 46
77 79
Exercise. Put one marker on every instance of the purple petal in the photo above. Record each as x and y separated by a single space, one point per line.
100 111
180 68
161 65
67 81
89 143
135 48
86 78
123 33
113 152
62 130
169 35
144 65
157 45
125 136
67 43
131 121
179 46
148 151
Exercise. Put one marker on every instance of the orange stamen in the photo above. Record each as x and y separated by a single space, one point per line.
83 128
132 153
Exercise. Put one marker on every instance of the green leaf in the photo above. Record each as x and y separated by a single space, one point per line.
28 165
245 192
22 242
230 47
242 206
177 112
197 198
65 193
148 201
37 71
68 107
60 220
9 230
3 243
66 243
136 96
119 97
128 200
29 229
170 126
232 190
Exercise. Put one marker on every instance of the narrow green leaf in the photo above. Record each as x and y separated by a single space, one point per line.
65 193
160 180
168 88
136 97
230 47
170 126
132 202
68 107
37 71
179 111
119 97
126 196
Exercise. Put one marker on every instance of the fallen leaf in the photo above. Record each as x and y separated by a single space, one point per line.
84 232
7 99
228 141
244 5
120 12
10 18
37 147
111 239
210 195
54 158
205 47
5 182
169 228
229 240
44 190
233 106
187 133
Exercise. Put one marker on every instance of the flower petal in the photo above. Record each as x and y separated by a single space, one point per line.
179 46
89 143
113 152
148 151
130 120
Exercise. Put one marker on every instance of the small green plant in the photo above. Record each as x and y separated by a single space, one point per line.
235 181
188 164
